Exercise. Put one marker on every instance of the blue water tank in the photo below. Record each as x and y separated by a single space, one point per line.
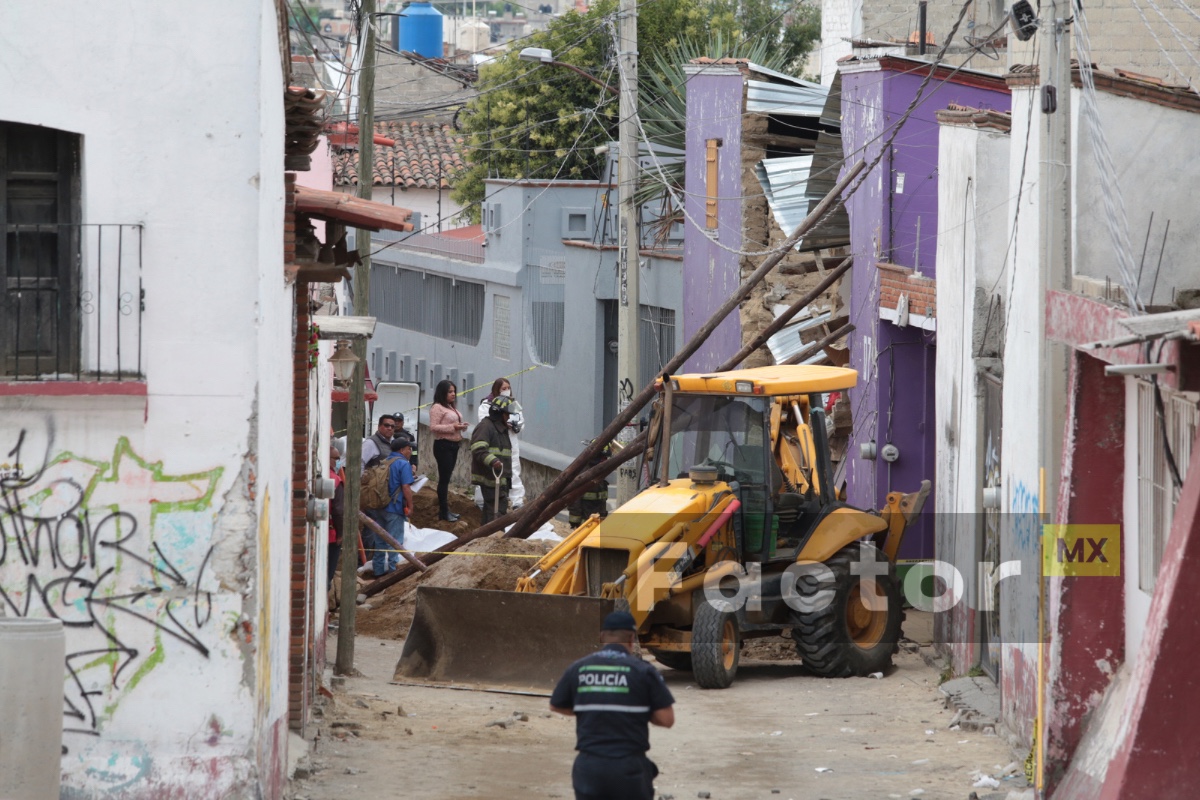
419 30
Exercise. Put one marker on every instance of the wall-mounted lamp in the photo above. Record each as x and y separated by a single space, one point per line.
343 361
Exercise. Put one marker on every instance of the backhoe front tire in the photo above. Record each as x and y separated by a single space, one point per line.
837 634
716 647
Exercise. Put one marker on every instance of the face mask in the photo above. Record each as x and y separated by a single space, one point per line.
341 462
506 393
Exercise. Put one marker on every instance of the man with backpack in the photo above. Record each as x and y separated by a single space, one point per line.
387 498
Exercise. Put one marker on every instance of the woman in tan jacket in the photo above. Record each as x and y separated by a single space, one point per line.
447 426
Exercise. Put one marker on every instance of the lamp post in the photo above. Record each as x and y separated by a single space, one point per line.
629 237
543 56
344 361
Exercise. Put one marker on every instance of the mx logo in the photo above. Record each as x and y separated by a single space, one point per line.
1070 551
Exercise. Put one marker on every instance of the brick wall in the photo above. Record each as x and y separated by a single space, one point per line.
299 602
895 281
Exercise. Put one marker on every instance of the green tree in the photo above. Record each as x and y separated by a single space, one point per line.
538 121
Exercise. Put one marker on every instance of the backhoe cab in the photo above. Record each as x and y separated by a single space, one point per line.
737 532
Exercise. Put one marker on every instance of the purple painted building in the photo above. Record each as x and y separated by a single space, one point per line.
893 223
714 235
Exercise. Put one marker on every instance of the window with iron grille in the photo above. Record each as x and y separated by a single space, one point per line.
657 332
1158 491
39 212
545 305
437 305
70 293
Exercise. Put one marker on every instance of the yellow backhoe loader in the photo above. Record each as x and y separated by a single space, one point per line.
737 533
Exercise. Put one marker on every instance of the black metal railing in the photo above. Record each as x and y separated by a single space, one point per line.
71 302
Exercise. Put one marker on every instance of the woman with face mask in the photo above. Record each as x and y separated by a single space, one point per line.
516 421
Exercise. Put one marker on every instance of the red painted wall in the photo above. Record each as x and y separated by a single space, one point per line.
1089 615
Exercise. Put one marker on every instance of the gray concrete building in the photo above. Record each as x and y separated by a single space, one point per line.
530 294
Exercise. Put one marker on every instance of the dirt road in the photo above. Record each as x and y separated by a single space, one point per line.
777 732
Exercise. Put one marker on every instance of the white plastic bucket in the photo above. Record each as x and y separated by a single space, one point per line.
32 654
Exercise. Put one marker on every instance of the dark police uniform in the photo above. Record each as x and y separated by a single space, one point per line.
613 694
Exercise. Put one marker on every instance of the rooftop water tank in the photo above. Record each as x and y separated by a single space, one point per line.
419 30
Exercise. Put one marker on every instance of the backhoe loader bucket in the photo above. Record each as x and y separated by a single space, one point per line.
506 638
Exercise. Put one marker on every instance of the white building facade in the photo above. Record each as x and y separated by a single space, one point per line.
147 368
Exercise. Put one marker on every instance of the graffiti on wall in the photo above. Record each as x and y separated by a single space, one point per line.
116 548
1027 521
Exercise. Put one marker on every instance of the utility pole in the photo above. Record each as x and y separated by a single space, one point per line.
1054 201
362 298
629 238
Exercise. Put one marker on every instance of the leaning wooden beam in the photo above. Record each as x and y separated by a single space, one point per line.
387 537
631 450
817 347
783 319
595 473
536 508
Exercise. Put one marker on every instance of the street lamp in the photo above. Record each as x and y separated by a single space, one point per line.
544 56
629 238
344 361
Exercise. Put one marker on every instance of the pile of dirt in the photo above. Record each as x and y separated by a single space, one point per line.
497 565
425 511
771 648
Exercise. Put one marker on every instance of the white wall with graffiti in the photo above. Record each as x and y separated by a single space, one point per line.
155 522
1024 420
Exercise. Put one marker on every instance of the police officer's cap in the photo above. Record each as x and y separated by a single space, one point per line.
619 621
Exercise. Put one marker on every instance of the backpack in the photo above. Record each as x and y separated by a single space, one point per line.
374 493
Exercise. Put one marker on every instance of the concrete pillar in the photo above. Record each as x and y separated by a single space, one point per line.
32 654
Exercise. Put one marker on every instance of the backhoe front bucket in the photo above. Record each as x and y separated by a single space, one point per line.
514 639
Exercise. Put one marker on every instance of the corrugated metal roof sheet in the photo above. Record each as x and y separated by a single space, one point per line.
792 101
794 185
787 342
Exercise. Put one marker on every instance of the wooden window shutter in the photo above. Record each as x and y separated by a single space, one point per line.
710 183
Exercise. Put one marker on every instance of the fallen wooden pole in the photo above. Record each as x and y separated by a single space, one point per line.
536 508
604 468
387 537
783 319
817 347
595 473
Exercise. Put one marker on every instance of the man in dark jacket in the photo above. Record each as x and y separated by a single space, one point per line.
491 458
613 694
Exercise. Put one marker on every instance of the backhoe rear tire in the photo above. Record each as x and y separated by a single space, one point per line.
837 634
675 659
716 647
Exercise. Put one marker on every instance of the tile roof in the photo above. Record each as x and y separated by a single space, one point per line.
304 118
955 114
423 153
352 210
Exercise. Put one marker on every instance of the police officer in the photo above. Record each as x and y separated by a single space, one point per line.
613 694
